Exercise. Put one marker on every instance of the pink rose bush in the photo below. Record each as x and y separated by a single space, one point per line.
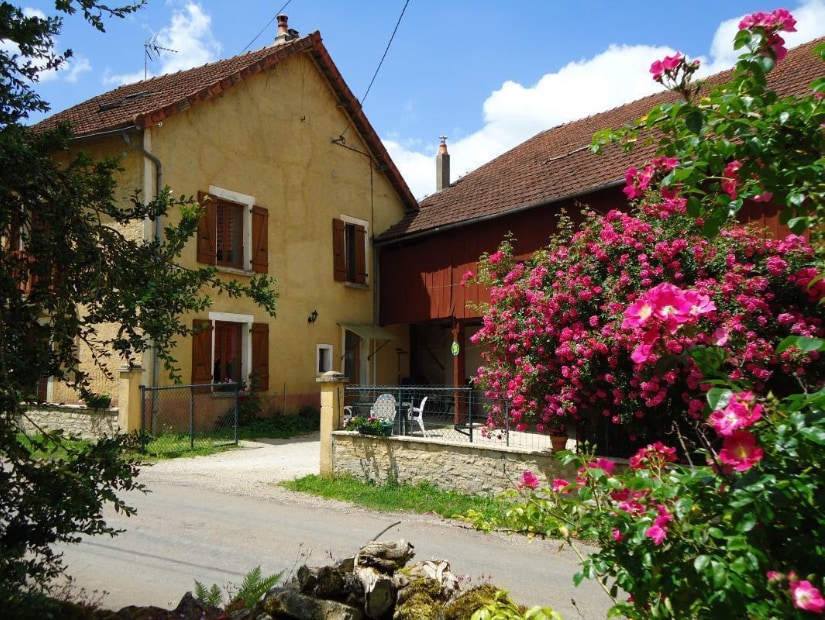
706 336
605 323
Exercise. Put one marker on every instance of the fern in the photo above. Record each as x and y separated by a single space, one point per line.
211 596
254 586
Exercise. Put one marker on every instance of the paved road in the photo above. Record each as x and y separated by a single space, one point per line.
208 519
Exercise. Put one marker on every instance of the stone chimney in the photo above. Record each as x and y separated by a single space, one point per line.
285 33
442 165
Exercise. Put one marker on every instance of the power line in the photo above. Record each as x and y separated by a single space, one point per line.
255 38
378 68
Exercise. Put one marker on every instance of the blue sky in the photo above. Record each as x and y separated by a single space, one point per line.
487 75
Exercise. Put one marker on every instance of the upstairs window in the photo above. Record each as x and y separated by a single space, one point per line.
233 231
349 243
229 235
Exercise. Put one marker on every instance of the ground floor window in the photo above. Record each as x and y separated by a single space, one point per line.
228 348
228 366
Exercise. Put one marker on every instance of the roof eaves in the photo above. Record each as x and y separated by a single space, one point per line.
214 89
400 237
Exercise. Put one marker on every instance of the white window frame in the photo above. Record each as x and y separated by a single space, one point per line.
248 202
323 351
246 321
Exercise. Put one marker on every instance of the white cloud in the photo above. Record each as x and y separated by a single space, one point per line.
190 36
620 74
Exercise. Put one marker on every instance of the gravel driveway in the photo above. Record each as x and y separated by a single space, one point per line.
252 469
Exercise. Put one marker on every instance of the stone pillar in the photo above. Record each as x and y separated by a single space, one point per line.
332 415
128 400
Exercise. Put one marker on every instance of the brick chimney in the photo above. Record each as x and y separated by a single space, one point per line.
285 33
442 165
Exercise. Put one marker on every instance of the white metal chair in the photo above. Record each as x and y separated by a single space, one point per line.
416 414
384 408
348 413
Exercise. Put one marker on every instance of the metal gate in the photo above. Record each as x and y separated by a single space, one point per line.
178 418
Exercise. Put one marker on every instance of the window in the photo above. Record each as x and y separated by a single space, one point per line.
323 358
349 243
233 231
229 232
230 347
228 366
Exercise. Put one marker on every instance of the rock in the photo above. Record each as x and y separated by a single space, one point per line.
287 603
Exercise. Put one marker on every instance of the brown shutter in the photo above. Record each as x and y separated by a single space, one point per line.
202 351
360 254
338 250
260 240
260 354
207 252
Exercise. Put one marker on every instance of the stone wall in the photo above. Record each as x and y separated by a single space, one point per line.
73 419
467 468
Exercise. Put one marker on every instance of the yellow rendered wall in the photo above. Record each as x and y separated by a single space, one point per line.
271 137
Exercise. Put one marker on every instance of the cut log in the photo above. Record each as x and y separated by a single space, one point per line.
379 592
387 557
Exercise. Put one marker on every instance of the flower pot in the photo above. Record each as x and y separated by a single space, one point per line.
385 430
559 442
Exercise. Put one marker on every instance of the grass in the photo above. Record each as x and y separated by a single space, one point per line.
276 427
393 497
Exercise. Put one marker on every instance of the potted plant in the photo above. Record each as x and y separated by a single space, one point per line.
369 426
558 436
93 400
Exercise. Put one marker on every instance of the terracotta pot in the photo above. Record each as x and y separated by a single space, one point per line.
559 442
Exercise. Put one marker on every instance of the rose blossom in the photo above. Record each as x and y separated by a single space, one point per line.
739 450
740 412
806 596
528 480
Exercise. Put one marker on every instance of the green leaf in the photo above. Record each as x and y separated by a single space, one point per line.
803 343
814 434
718 397
694 120
701 563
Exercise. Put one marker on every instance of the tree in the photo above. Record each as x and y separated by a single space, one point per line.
66 268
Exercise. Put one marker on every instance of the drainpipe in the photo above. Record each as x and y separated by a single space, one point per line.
158 226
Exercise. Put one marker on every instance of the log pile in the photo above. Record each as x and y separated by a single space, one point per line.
376 584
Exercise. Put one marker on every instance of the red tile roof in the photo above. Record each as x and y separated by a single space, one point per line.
144 103
557 164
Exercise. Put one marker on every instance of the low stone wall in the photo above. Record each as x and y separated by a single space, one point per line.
467 468
73 419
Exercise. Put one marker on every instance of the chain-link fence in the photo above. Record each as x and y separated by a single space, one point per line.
453 414
181 418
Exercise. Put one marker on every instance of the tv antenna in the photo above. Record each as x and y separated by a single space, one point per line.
152 52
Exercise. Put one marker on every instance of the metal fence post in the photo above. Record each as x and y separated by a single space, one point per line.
191 418
142 419
235 426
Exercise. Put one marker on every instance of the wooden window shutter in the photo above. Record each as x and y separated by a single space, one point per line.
260 354
202 351
360 254
207 253
339 250
260 240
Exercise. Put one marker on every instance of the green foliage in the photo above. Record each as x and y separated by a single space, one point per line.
392 496
503 608
369 426
252 588
212 596
93 400
67 266
48 500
